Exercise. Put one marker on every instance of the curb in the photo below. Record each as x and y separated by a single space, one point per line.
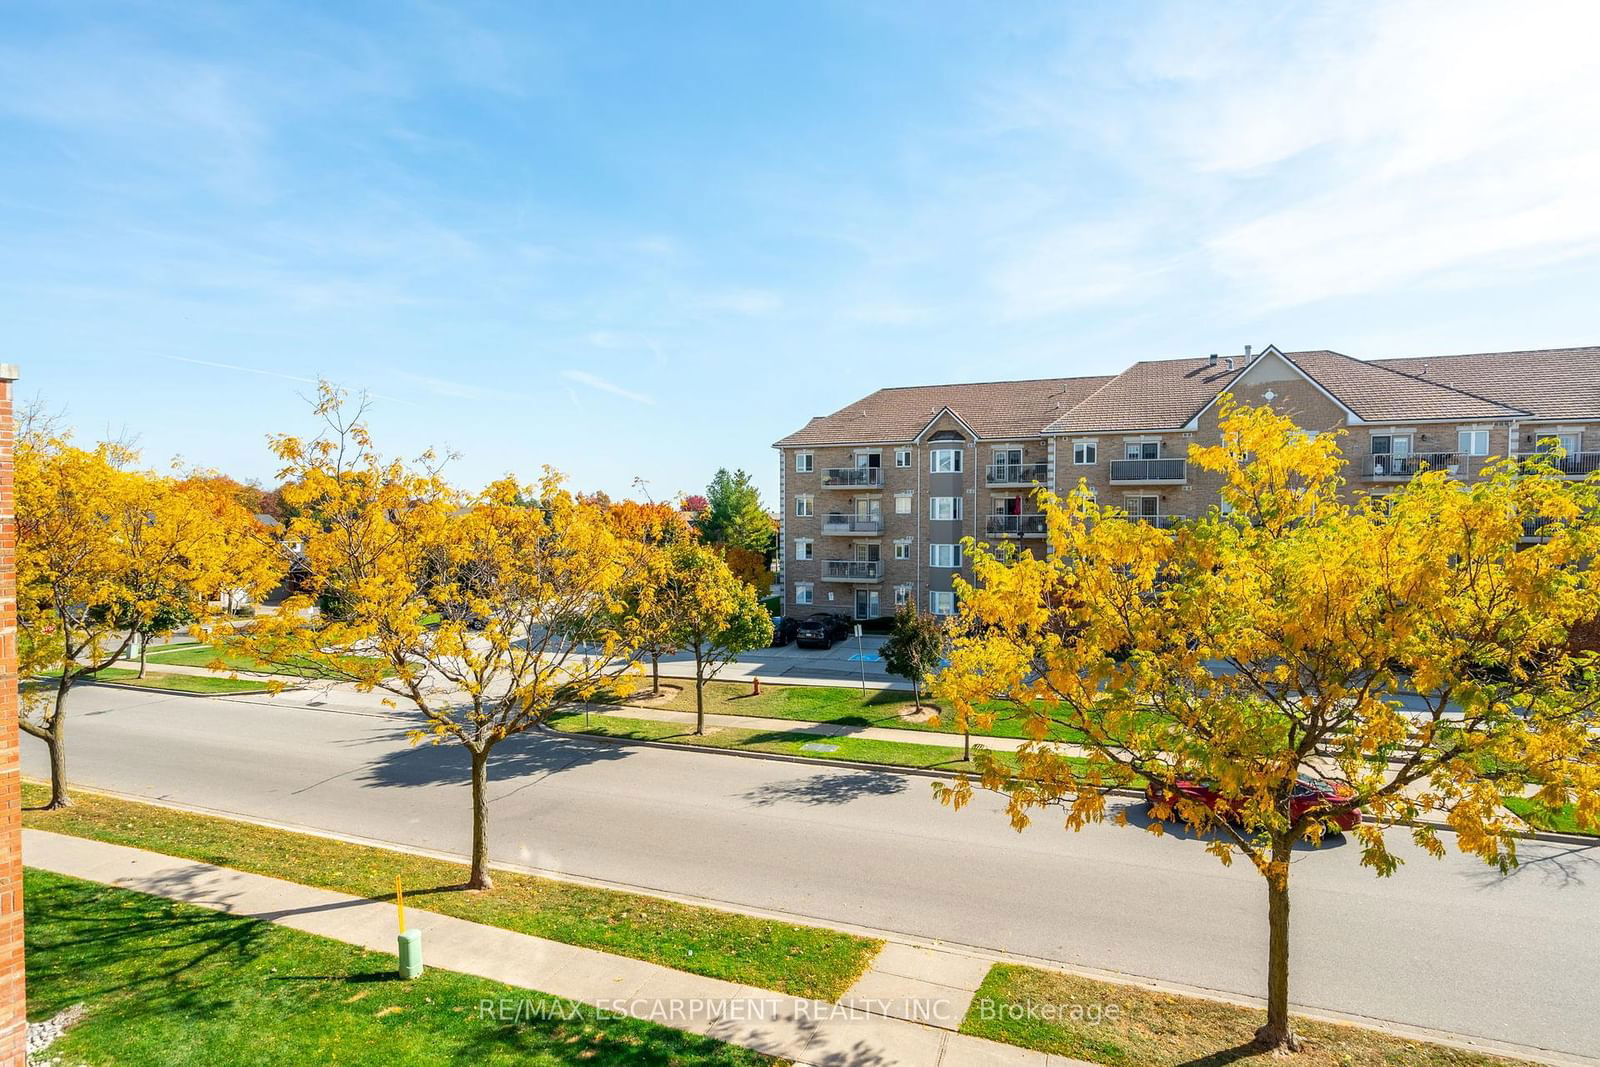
1546 836
176 692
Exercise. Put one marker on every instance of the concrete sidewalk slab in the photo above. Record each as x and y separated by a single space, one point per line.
808 1032
919 984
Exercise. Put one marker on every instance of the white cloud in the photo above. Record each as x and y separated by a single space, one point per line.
743 302
596 382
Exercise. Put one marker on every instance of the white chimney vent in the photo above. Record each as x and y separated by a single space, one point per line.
1247 353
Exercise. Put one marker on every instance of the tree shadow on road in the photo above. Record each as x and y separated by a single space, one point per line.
1138 815
517 761
826 788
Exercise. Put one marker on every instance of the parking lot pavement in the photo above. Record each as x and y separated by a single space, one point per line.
845 663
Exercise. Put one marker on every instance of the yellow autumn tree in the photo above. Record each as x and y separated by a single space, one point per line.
708 610
1299 654
106 553
487 612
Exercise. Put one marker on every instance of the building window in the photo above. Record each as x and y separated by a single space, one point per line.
944 461
804 462
944 556
941 603
902 503
902 596
1472 442
1141 449
802 549
902 550
802 507
902 457
944 508
1085 453
802 592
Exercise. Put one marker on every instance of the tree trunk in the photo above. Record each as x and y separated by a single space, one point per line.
966 745
1278 1034
479 878
655 674
57 747
144 646
916 695
699 694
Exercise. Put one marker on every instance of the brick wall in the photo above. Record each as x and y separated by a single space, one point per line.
13 1001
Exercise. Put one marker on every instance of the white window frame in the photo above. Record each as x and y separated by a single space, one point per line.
903 594
1085 453
805 549
936 597
1464 433
804 506
805 462
902 457
957 505
804 593
939 455
902 549
945 557
904 503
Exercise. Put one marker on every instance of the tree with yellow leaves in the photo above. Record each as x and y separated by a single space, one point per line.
710 611
1407 654
105 554
522 580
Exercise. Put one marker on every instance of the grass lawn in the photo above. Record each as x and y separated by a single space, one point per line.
182 683
1152 1029
840 705
1562 820
207 655
802 960
165 983
861 750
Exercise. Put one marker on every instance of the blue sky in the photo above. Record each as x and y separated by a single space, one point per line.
646 240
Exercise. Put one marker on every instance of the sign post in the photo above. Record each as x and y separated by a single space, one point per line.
861 658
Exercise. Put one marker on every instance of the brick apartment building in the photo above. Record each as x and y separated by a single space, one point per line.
877 497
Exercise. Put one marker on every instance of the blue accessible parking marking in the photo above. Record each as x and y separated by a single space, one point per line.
864 657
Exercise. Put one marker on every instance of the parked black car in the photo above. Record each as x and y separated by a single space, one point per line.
822 630
783 629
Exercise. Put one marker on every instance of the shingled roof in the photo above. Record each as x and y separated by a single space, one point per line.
1166 394
994 410
1550 383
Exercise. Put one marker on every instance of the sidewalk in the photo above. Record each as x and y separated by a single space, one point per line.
863 1028
817 729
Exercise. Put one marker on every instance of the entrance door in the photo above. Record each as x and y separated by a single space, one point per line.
866 603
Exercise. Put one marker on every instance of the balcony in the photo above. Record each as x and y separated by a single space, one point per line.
1014 525
1160 522
844 523
852 570
1536 529
1017 473
852 477
1149 471
1573 464
1392 467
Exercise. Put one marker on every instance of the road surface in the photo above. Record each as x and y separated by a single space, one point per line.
1450 945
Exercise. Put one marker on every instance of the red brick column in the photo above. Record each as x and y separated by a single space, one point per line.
13 996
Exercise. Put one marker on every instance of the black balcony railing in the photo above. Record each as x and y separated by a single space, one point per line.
1014 525
1573 464
1128 471
1385 465
844 523
852 570
852 477
1017 473
1160 522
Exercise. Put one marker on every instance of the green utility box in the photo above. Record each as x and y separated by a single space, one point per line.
410 953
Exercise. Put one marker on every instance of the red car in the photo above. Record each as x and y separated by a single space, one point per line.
1309 794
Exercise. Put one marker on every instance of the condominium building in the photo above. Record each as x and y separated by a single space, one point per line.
878 496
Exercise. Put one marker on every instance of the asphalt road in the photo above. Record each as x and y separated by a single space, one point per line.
1451 945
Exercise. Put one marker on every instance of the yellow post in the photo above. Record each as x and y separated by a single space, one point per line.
400 902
